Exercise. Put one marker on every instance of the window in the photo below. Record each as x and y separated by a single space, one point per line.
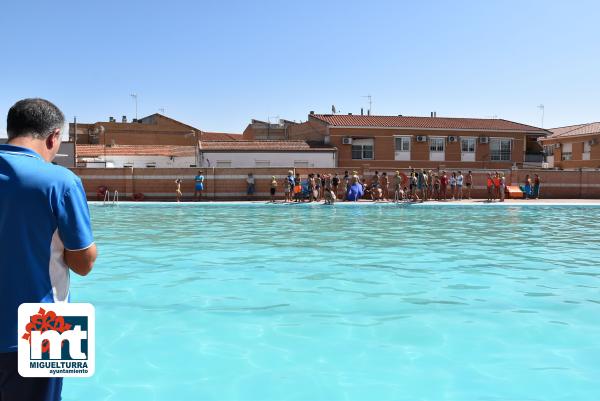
301 163
402 144
402 147
500 149
152 164
467 145
223 163
566 151
262 163
362 149
436 144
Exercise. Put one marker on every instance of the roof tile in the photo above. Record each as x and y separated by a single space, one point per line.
135 150
494 124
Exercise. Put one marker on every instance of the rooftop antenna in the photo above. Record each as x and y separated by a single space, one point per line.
370 103
541 107
135 98
162 110
333 109
492 116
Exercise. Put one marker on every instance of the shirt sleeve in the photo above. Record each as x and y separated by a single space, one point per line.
74 224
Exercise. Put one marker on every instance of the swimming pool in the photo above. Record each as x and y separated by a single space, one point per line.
350 302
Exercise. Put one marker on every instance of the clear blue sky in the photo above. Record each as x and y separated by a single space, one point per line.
218 64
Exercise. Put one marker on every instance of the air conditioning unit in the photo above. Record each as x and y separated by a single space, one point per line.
484 139
452 138
347 140
545 165
421 138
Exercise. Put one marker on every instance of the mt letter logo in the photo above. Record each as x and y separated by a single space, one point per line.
56 340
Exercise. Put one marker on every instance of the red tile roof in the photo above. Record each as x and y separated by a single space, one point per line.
574 131
274 146
135 150
220 136
484 124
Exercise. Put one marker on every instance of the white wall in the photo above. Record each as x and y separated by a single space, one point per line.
142 161
275 159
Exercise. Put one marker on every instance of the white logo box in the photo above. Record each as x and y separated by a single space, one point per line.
45 327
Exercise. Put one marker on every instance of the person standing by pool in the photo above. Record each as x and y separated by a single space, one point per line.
311 187
335 183
469 183
397 186
297 188
453 185
250 184
273 188
199 185
502 187
384 185
346 182
178 193
536 186
437 193
496 180
443 185
490 187
289 185
459 185
45 232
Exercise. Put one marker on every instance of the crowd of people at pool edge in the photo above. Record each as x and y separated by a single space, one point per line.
418 186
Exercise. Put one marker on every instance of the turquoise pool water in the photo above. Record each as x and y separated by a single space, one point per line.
351 302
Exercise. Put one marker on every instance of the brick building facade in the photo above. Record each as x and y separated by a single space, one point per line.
428 142
573 147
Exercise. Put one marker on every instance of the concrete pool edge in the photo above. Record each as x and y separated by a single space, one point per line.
473 202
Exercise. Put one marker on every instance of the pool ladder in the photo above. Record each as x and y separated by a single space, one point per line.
115 200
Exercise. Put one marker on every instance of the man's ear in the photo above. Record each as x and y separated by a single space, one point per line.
54 136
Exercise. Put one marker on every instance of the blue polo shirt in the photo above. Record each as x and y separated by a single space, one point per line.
43 210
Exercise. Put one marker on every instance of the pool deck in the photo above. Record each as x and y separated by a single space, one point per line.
531 202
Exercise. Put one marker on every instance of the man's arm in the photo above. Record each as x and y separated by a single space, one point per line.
82 261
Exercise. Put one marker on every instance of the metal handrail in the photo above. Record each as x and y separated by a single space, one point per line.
116 197
106 197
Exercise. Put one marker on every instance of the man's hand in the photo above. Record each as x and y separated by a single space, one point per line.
81 262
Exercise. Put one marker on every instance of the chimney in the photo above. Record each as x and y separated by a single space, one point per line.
361 111
368 112
111 119
431 115
124 119
312 112
349 114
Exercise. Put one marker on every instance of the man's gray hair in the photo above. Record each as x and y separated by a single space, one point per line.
36 118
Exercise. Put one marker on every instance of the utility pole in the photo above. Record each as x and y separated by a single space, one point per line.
135 98
541 107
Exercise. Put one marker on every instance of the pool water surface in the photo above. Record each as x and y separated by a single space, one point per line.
345 302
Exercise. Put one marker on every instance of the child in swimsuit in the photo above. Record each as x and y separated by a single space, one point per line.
199 187
273 188
178 193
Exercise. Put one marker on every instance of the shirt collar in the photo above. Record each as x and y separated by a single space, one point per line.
7 148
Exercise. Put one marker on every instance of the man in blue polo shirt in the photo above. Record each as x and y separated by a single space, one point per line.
45 232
